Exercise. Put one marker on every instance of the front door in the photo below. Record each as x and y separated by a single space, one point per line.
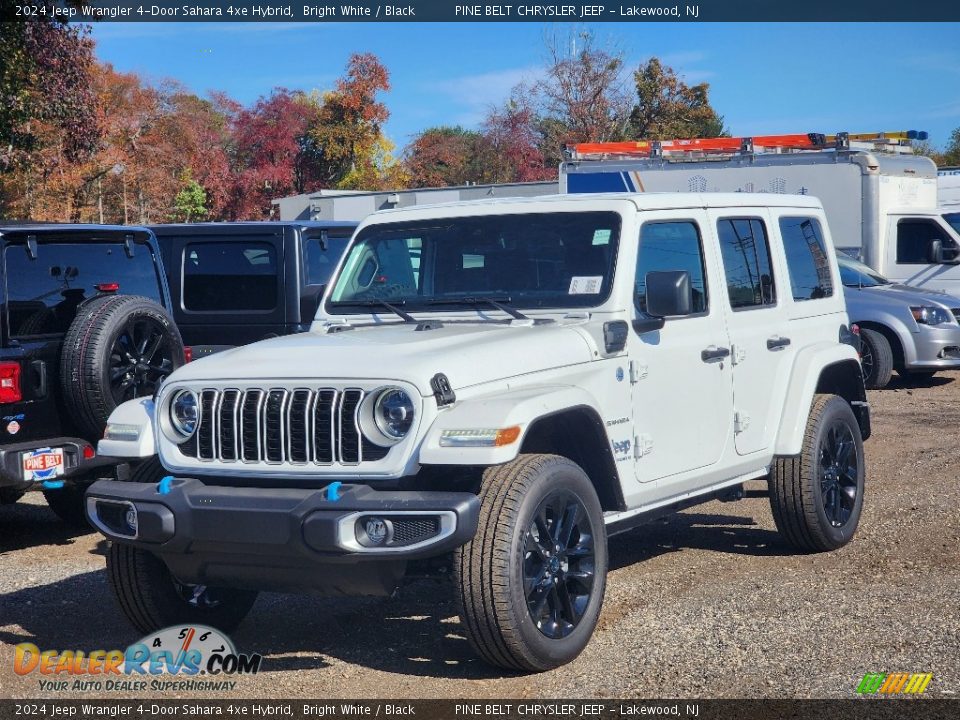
908 254
681 378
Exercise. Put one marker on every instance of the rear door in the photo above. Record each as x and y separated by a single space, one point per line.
757 321
228 286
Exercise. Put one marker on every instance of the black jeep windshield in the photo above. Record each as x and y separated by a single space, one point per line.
550 260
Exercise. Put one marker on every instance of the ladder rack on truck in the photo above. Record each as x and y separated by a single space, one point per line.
696 148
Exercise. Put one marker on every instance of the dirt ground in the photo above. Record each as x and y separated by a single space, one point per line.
707 603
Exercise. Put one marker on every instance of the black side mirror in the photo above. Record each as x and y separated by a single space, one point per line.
669 293
937 254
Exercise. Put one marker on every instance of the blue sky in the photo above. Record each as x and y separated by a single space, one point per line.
765 78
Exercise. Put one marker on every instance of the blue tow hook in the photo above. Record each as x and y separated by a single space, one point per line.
163 487
333 491
52 484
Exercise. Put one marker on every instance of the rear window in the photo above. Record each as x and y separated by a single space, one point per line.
43 293
228 276
807 258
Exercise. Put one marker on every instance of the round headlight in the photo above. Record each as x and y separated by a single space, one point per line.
183 413
393 413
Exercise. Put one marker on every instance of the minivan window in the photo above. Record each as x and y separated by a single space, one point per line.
807 258
746 262
671 246
43 293
234 276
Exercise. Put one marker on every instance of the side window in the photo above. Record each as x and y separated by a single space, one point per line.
318 261
807 258
746 263
913 241
671 246
230 276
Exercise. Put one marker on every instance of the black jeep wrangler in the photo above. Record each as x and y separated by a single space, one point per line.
239 282
85 326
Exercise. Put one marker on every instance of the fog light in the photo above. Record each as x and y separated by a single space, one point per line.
376 530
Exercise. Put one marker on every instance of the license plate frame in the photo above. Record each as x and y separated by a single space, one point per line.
42 464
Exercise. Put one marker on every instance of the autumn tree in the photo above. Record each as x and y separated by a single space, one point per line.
510 148
347 141
272 152
584 92
444 156
951 153
666 107
48 114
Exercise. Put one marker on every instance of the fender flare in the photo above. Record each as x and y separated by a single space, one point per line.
519 408
135 413
804 378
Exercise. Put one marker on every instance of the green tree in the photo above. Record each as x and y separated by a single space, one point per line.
667 107
951 154
190 203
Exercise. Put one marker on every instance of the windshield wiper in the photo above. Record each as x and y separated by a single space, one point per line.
392 307
493 302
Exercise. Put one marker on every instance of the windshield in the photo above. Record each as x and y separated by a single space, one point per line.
953 219
856 274
535 260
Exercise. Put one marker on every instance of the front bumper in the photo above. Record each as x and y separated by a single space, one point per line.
935 347
283 538
75 464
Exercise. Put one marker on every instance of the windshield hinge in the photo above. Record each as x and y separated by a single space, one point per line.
442 390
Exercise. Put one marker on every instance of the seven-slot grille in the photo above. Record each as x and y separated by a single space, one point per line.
277 425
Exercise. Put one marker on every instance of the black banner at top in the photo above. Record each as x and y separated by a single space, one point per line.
649 11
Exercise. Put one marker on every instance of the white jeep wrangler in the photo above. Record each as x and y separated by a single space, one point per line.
495 388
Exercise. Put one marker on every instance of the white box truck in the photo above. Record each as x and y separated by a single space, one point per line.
880 198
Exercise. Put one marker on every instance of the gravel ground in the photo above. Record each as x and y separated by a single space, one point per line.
707 603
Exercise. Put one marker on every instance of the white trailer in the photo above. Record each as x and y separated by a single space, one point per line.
880 199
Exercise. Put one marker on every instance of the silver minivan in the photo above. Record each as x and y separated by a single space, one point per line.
911 330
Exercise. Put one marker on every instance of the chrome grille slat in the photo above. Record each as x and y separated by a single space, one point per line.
275 426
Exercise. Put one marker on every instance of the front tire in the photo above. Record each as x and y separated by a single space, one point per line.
152 598
531 582
876 359
817 496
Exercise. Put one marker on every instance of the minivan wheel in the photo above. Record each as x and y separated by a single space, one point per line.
531 582
876 359
817 496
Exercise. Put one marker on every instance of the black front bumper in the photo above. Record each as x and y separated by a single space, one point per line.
75 464
283 538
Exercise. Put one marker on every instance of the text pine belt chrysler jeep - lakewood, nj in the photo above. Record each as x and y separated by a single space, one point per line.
494 388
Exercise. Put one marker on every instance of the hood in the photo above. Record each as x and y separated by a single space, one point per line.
468 353
899 295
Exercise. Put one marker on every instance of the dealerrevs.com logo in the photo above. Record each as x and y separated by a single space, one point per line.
199 658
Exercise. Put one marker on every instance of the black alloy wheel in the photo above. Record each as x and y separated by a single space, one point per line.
839 472
558 565
141 358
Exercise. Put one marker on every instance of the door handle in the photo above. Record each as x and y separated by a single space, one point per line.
714 353
777 342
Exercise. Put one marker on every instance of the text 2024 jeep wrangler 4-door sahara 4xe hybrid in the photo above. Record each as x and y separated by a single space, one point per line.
500 386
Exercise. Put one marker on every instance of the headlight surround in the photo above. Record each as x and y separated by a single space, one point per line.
387 415
931 315
184 413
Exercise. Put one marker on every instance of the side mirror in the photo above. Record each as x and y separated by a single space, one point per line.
937 254
668 294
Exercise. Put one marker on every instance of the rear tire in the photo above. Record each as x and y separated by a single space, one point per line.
876 359
531 582
817 496
118 348
152 598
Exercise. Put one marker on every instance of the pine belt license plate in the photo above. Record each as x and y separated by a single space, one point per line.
42 464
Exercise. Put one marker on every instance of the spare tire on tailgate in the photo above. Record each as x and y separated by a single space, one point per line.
118 348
